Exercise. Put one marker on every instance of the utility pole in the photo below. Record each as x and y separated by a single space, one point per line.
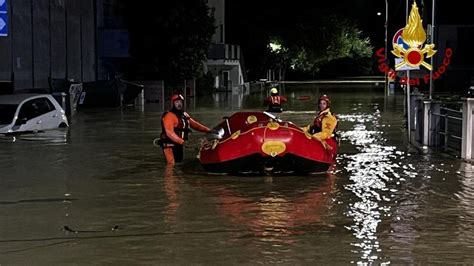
387 92
432 30
407 87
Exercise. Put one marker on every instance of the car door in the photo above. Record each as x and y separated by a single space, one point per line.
36 114
50 117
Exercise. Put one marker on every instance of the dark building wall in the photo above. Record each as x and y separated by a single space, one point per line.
58 39
88 40
459 75
112 40
73 39
21 34
41 40
48 39
5 51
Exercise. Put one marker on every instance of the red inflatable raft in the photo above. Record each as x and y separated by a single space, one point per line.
259 142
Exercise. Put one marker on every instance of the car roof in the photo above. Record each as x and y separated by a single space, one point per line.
18 98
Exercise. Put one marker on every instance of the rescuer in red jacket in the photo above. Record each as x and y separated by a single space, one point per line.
275 101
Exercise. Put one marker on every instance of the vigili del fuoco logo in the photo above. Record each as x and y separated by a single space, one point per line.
411 53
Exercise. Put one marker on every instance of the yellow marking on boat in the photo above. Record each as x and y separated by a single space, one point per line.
273 147
251 119
235 135
273 125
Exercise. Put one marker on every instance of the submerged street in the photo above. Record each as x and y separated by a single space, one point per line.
100 192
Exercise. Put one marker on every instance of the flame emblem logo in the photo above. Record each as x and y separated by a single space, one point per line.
414 35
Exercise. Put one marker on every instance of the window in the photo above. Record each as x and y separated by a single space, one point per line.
34 108
44 105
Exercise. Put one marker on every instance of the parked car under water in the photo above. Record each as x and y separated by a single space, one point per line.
30 113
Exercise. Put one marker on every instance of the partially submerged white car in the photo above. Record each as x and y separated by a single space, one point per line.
30 113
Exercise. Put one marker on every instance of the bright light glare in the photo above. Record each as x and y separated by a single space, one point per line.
275 47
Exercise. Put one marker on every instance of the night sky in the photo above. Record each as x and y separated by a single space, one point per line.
249 22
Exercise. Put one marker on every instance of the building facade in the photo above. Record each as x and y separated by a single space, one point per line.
58 39
224 60
48 39
86 41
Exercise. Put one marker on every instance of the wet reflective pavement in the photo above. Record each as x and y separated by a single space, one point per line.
99 192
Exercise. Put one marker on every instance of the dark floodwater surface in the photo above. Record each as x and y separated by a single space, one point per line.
100 193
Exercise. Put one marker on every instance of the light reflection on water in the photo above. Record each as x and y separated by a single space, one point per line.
371 170
48 137
466 202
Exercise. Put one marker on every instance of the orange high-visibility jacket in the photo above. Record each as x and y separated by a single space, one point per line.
176 128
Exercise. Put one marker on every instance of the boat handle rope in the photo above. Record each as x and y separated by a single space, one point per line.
156 142
228 125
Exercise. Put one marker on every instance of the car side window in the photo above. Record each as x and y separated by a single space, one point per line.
44 105
34 108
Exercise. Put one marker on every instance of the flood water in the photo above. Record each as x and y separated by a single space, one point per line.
100 193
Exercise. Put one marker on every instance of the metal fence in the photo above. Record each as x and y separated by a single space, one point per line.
449 128
443 123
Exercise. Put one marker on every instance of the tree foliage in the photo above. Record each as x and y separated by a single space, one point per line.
311 46
316 34
168 39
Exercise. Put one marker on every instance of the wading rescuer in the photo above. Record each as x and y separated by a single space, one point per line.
275 101
175 125
324 123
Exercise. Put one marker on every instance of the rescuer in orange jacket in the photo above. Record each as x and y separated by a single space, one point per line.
324 123
275 101
175 125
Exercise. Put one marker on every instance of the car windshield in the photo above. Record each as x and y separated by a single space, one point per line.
7 112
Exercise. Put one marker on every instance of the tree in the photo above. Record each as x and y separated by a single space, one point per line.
168 39
312 37
278 56
312 46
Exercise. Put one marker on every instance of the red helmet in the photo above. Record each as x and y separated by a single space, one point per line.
175 97
325 98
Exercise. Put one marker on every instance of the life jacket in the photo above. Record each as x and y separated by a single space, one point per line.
182 129
275 101
318 121
274 104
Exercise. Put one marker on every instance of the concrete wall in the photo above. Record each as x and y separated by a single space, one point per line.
48 38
